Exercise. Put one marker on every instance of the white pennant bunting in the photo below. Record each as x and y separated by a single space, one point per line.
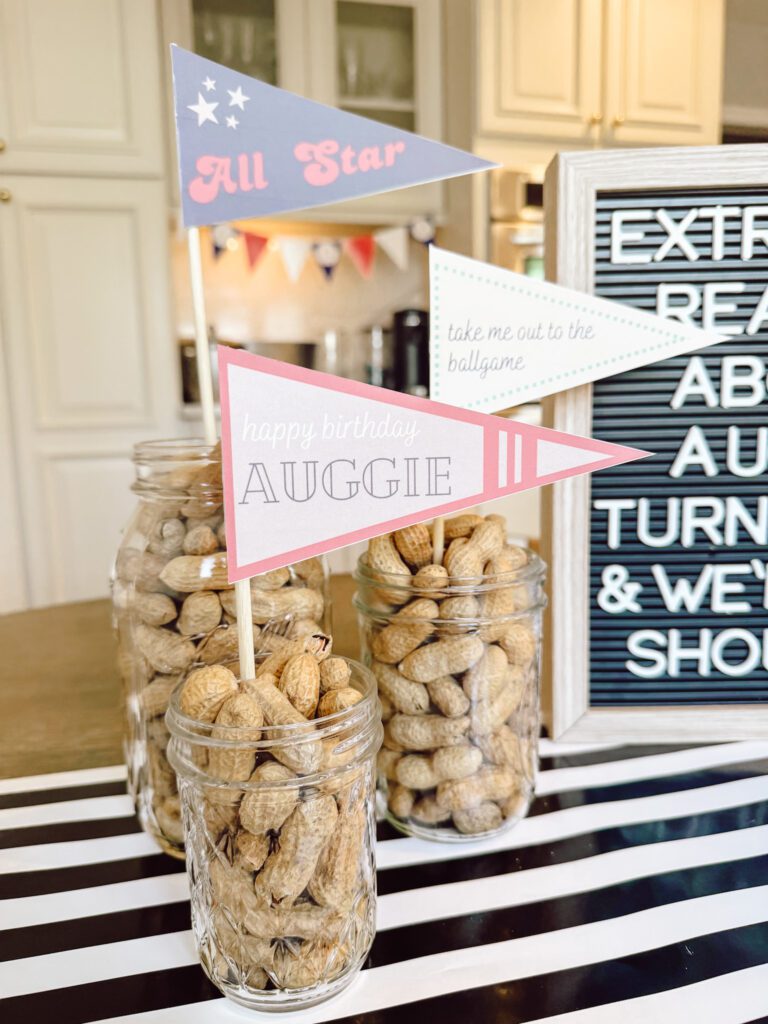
294 252
394 242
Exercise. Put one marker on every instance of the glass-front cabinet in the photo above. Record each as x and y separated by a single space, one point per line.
375 61
238 33
380 59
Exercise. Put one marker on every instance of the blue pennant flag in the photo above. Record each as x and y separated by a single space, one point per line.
247 149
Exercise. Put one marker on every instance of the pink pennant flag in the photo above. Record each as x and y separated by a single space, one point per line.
313 462
362 250
254 247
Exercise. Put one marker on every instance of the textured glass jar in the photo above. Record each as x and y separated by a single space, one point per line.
173 609
457 666
281 860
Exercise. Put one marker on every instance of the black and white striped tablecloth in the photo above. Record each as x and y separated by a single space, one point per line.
636 891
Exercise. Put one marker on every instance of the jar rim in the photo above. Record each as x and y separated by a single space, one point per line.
156 461
358 728
534 568
443 623
170 448
193 730
167 450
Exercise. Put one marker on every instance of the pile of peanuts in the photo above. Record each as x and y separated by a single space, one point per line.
174 608
290 899
454 649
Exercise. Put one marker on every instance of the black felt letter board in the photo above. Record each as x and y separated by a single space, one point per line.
678 552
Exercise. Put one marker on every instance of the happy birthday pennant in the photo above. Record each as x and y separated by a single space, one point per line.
330 461
248 149
499 339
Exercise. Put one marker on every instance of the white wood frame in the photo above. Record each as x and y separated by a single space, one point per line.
571 184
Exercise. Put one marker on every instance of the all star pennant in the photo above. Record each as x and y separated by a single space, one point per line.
313 462
248 149
499 339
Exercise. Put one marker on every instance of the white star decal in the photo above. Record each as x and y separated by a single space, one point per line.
204 110
209 83
232 122
237 98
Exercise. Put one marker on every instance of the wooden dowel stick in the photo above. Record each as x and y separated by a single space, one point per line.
245 629
438 540
202 348
205 386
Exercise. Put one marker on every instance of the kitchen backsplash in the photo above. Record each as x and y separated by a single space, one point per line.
263 304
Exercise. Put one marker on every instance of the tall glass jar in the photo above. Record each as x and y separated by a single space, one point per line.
173 609
456 659
280 831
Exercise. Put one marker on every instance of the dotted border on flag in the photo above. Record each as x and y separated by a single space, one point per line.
578 307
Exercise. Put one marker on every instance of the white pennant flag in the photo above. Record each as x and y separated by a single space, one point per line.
394 242
499 339
294 252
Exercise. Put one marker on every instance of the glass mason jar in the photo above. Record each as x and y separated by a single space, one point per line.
280 826
173 610
456 660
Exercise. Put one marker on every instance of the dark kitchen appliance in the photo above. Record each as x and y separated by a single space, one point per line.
411 352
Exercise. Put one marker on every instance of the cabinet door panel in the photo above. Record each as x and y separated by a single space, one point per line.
664 71
78 345
79 87
88 501
82 315
540 67
91 359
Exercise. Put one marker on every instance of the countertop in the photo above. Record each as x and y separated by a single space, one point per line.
634 890
59 689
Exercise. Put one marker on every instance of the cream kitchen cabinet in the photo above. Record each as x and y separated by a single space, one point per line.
381 60
603 72
86 333
79 87
663 72
87 353
538 65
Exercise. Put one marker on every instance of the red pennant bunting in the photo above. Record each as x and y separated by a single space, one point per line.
254 247
362 250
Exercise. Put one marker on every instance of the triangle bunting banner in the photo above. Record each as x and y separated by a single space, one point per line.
332 461
394 242
254 248
362 251
295 251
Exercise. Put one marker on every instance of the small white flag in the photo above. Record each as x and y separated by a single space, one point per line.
294 252
394 242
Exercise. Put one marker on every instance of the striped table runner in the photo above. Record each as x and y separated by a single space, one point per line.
636 891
